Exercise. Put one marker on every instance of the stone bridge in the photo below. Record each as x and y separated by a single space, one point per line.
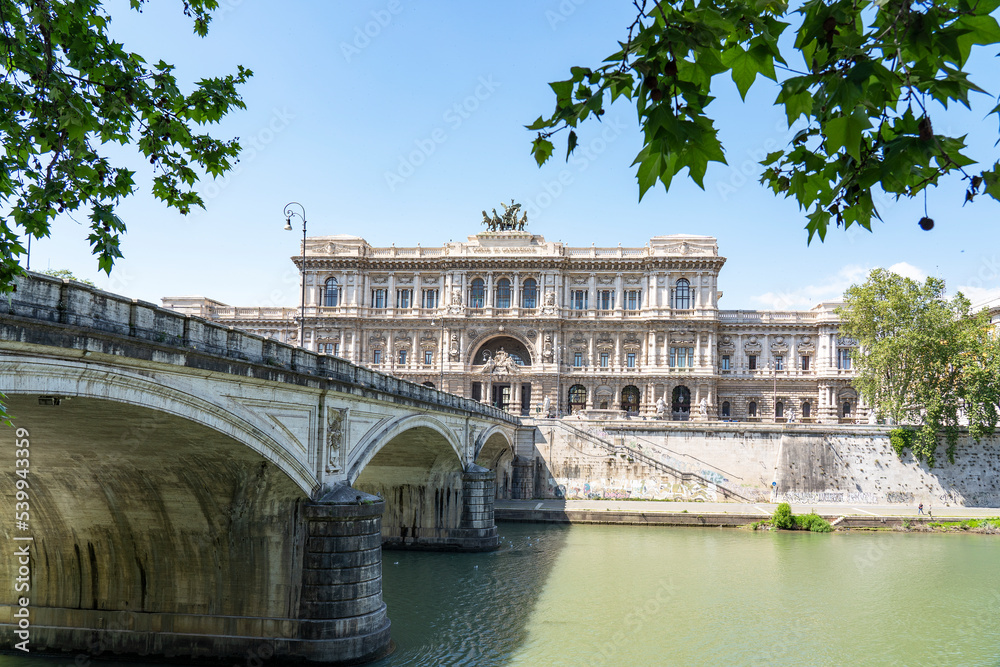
198 492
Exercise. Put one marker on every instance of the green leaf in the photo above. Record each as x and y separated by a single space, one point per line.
570 144
743 68
542 150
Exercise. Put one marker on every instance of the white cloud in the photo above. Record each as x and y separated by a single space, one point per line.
979 295
832 288
807 296
909 271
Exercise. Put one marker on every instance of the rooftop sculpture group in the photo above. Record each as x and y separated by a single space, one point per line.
508 222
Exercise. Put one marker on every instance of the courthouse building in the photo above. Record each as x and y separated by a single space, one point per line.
539 327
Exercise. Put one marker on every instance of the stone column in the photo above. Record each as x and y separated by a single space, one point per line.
477 530
343 617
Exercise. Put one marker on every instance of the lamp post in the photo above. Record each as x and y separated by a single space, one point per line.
289 214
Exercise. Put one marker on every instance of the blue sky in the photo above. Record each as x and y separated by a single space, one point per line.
400 121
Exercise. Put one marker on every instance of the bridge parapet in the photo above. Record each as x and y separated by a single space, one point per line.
49 300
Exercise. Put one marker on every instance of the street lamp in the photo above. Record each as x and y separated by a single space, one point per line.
289 214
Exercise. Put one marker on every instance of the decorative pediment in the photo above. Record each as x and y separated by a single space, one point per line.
682 337
806 345
605 344
378 280
579 280
605 280
752 345
404 280
846 341
633 280
433 280
377 339
779 345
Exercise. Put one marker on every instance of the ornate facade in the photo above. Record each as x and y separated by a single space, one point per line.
541 328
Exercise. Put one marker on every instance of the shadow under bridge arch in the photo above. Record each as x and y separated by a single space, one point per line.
431 500
495 451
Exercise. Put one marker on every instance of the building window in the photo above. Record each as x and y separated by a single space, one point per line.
806 409
402 357
336 349
477 293
428 357
779 362
379 298
725 408
429 298
805 363
529 294
578 359
579 299
606 299
604 359
376 357
577 397
503 293
331 293
325 348
847 409
752 362
633 299
477 391
682 295
724 363
404 298
681 357
779 410
752 409
630 360
844 358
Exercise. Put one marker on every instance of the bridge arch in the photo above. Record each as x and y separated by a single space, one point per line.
163 393
495 451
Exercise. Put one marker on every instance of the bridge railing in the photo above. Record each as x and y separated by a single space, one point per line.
54 301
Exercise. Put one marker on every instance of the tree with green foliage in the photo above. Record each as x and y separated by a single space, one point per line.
865 79
923 360
66 273
67 91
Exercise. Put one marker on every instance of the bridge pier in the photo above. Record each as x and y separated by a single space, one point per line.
343 617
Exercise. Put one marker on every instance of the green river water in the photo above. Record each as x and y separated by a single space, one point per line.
618 595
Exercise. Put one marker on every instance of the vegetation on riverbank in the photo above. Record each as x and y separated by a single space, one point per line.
783 519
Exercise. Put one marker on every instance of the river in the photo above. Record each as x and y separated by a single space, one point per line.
618 595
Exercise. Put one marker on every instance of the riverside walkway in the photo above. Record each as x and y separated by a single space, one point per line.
639 512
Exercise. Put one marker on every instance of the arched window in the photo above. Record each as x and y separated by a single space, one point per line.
779 410
725 408
529 294
477 293
682 295
806 409
577 397
331 293
503 293
752 409
847 409
630 398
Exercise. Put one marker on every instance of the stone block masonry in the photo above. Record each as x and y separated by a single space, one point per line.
849 464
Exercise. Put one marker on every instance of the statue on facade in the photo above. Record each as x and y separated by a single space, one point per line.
872 417
703 408
508 222
547 407
454 346
791 414
547 348
661 408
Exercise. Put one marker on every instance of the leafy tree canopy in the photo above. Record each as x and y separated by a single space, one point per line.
66 91
66 273
923 359
865 78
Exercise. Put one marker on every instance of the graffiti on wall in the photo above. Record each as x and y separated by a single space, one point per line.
634 489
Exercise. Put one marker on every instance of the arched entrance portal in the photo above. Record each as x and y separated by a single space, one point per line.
502 387
630 399
577 398
681 405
